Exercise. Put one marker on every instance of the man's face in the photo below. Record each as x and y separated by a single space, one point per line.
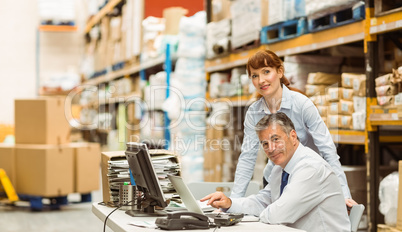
278 146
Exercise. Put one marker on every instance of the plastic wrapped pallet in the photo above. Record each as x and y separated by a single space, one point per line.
283 10
216 79
318 8
246 21
359 104
276 11
298 67
359 120
192 36
218 37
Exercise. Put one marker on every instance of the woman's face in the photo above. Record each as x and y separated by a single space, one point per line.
266 80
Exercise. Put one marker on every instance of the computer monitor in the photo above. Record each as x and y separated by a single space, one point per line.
146 180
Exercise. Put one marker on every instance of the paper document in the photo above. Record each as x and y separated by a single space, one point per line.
144 224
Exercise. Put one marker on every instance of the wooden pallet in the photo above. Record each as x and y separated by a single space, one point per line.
336 19
247 46
37 202
283 30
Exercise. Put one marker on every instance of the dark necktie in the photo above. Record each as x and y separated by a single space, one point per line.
284 181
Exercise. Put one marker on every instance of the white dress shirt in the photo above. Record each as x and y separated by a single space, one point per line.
310 129
312 200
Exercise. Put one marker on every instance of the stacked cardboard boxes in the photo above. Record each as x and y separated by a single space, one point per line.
43 162
213 154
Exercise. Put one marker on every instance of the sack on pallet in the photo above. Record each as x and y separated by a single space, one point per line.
383 80
346 107
322 110
334 94
385 90
347 79
385 100
321 78
347 94
298 67
345 122
339 121
319 100
359 85
315 90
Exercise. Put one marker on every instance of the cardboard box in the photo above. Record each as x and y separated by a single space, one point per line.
399 212
41 121
105 157
172 16
7 163
86 166
220 10
44 170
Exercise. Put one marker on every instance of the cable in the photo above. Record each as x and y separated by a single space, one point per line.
213 225
104 223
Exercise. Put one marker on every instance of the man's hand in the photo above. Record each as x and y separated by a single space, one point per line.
218 200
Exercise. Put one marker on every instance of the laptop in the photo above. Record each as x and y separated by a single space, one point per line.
192 204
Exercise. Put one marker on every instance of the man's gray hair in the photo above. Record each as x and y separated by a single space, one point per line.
278 118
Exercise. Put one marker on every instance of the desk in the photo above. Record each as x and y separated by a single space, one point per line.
119 220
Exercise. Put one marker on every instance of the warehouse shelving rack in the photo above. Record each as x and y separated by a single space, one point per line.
365 31
133 68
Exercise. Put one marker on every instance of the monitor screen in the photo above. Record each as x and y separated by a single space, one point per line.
146 180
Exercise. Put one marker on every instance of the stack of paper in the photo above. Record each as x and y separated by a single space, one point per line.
165 163
118 174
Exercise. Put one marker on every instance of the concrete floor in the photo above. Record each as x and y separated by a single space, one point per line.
74 217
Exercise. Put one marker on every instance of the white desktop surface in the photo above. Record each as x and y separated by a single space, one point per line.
119 220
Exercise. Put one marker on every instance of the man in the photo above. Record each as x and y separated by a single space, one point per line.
310 198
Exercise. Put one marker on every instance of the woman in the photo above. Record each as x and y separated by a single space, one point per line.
267 74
